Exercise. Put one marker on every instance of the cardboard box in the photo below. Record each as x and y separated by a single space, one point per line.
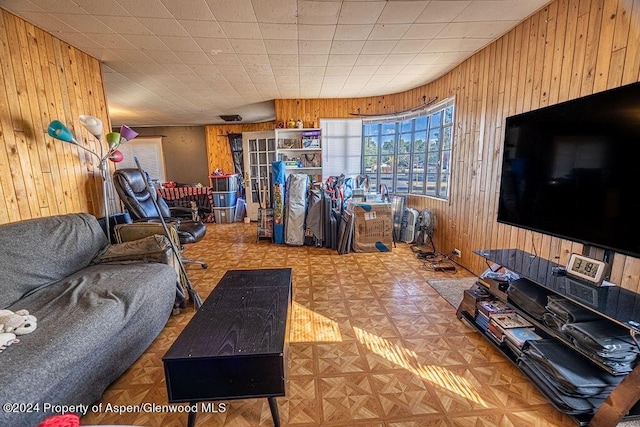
373 227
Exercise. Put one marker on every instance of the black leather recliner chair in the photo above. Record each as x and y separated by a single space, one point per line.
130 185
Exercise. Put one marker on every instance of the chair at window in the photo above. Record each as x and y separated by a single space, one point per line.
131 188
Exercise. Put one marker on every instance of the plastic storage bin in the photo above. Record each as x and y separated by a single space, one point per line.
224 182
224 199
224 215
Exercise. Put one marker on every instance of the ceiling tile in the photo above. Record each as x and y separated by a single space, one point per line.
145 42
359 13
213 46
275 11
341 60
346 47
314 47
101 7
202 28
279 31
410 46
491 10
232 10
423 31
476 29
197 9
285 71
241 30
389 69
259 70
283 60
206 71
62 6
398 59
178 44
48 21
442 11
428 58
370 59
163 27
312 71
308 60
455 45
193 58
163 56
335 79
252 59
146 8
337 71
316 32
84 23
124 25
229 59
318 12
388 31
352 32
363 70
241 46
112 41
281 46
397 12
378 46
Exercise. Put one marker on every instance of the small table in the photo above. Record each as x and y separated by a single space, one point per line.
235 346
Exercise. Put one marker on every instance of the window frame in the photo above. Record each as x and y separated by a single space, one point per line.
442 189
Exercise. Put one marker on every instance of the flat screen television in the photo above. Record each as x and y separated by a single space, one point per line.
572 170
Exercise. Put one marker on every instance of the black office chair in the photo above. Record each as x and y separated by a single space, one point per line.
130 185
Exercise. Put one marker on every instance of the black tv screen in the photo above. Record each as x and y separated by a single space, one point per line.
572 170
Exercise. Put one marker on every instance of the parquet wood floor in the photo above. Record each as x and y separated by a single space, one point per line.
372 344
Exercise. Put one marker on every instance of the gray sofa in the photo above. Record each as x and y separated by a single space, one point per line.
94 318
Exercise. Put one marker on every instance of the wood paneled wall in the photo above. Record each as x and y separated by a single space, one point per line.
218 148
570 48
44 79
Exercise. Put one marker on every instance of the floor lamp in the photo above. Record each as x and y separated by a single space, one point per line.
59 131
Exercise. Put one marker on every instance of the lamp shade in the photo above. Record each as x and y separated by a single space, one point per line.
116 156
92 124
113 138
59 131
127 133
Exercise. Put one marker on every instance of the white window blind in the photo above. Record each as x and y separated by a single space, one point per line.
341 147
148 150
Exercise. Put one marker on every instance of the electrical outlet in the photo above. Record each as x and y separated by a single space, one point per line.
457 253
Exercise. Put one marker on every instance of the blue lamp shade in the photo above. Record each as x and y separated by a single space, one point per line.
59 131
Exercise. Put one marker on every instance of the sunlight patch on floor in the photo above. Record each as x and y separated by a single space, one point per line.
437 375
310 326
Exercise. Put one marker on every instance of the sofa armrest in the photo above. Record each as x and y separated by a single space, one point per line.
154 248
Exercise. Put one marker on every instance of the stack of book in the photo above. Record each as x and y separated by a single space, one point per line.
487 308
512 329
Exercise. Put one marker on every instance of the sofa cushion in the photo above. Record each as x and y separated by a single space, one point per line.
91 327
42 251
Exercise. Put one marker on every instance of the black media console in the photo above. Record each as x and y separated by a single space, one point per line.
617 305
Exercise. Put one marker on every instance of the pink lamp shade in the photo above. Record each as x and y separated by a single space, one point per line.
116 156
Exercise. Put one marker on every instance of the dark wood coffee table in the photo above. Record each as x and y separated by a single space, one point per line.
235 346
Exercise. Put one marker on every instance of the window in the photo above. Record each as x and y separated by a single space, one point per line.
411 153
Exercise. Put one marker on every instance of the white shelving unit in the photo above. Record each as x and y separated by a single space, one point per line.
301 150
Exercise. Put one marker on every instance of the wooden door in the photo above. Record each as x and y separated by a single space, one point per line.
259 153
